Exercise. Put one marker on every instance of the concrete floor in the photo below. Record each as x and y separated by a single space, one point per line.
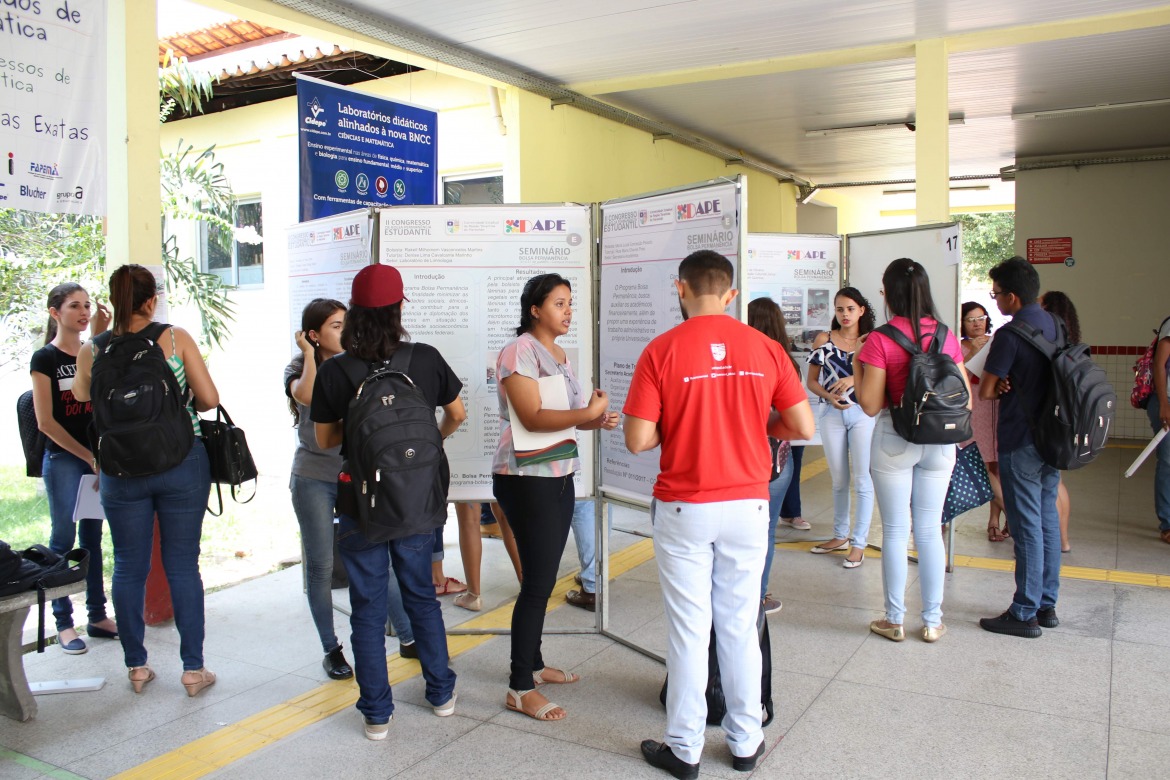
1089 699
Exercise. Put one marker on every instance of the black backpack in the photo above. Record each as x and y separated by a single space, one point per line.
141 423
394 451
39 568
934 405
1077 412
31 438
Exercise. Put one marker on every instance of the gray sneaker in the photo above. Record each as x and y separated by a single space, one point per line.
444 710
771 605
377 731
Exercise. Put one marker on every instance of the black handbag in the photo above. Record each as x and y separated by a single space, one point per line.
229 456
970 486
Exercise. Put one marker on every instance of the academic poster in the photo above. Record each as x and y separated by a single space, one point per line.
323 258
643 240
464 268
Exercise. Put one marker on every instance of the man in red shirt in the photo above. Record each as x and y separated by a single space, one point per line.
709 391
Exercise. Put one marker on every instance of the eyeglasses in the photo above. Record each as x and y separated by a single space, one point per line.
973 320
995 294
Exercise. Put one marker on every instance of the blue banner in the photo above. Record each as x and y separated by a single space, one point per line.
359 150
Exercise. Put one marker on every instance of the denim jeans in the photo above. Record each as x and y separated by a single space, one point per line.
540 511
1029 501
1161 469
910 483
777 489
179 497
791 505
710 557
369 567
313 501
62 471
845 434
585 537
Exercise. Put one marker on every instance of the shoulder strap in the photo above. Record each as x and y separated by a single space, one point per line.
899 338
355 369
156 329
1034 337
400 360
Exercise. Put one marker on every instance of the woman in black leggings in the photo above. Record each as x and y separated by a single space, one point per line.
535 486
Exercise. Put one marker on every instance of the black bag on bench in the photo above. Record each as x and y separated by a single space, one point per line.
39 568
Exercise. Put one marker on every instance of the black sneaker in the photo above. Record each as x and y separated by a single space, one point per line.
1007 623
660 755
1047 617
747 763
408 651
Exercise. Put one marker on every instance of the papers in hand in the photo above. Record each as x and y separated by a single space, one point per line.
975 364
1161 434
89 500
532 448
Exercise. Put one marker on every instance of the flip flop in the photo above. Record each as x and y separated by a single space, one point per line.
450 587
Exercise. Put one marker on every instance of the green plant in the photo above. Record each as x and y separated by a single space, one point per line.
988 239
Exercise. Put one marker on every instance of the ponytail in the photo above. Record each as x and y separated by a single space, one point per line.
57 297
131 286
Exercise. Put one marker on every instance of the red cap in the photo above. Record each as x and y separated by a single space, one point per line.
376 286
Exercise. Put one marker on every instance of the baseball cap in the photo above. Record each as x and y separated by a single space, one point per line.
376 286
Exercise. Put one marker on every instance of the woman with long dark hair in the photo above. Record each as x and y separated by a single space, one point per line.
537 497
64 420
976 337
178 495
910 480
373 334
764 315
846 431
1062 306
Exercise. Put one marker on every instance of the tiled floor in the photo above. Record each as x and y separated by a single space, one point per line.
1090 699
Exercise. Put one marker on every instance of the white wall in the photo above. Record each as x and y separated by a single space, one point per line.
1118 217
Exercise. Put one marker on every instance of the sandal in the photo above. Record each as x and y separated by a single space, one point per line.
821 549
470 601
538 678
450 587
994 534
1166 536
140 676
515 702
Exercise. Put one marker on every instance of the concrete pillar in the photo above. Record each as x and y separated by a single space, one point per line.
931 144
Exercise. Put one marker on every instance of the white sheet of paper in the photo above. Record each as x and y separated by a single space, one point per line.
975 364
554 394
1146 453
89 500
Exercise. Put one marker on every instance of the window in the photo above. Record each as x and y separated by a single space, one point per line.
240 262
473 188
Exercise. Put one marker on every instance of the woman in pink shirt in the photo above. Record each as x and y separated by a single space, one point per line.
910 480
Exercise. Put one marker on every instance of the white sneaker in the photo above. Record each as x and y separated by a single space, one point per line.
443 710
378 731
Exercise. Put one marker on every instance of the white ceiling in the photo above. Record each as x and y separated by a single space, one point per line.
767 116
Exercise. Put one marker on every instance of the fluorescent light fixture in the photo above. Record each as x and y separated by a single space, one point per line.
1056 113
910 125
962 188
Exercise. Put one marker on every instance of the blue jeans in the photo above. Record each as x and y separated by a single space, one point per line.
848 433
179 498
585 537
368 565
1162 469
791 505
313 501
777 489
62 471
1029 501
910 483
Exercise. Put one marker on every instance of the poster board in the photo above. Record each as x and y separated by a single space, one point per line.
464 268
643 239
801 273
936 247
324 255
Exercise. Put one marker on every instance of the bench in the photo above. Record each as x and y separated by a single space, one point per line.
16 698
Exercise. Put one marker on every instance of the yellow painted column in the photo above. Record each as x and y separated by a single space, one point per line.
134 205
931 144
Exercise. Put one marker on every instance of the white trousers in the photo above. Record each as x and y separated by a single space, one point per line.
710 560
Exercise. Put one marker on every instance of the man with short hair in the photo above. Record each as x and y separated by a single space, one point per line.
1020 376
710 391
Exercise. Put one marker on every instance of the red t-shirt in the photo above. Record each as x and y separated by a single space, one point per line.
710 384
880 351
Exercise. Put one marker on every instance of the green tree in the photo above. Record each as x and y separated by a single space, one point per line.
988 239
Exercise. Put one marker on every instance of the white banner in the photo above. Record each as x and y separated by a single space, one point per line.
324 256
802 274
53 111
643 241
464 268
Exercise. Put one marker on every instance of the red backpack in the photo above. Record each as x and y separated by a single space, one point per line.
1143 373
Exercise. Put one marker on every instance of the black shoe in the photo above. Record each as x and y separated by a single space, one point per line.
747 763
1007 623
408 651
1047 617
660 755
336 666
